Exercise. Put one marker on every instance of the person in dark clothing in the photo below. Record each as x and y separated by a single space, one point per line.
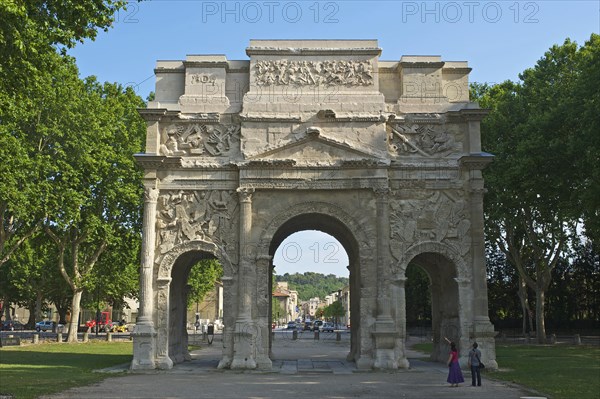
474 364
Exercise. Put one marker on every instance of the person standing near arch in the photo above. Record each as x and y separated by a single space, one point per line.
455 376
474 364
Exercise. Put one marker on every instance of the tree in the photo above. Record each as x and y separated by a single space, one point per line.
202 279
98 188
311 284
418 295
533 217
334 311
30 70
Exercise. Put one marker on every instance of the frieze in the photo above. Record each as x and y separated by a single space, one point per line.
297 184
313 73
440 216
428 140
184 216
199 140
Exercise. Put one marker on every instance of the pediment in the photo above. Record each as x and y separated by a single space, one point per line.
318 150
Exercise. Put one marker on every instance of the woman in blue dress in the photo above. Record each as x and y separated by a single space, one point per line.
455 376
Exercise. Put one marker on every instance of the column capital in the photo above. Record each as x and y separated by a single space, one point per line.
151 194
382 192
245 194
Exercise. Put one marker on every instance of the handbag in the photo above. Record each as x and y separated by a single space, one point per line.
481 365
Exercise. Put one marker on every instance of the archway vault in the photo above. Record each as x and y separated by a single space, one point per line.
333 220
392 174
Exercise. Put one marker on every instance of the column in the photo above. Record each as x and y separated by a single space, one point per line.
245 266
480 306
399 298
263 298
482 329
385 331
245 336
144 333
383 255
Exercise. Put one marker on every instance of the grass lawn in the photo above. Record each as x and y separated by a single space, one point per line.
561 372
33 370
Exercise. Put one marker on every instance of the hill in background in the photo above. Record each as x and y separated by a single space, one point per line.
311 284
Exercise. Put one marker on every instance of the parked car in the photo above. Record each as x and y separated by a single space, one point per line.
47 325
291 325
307 326
328 327
317 324
12 325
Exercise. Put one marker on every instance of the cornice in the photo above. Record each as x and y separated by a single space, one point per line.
476 161
372 51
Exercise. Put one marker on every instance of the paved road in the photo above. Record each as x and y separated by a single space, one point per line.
302 368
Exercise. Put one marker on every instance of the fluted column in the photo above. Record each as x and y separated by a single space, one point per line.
383 254
480 305
148 244
384 331
245 266
245 335
144 345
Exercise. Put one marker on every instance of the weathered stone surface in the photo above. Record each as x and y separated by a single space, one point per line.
383 155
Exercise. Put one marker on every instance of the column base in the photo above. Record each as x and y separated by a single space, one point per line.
264 363
244 342
364 363
143 347
164 363
385 335
483 333
225 363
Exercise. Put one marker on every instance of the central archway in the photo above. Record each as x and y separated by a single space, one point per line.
333 221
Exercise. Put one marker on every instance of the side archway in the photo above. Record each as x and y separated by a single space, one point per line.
450 284
171 298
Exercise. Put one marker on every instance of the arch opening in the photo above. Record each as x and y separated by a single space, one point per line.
181 316
341 240
445 321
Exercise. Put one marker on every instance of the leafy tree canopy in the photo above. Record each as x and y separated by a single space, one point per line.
311 284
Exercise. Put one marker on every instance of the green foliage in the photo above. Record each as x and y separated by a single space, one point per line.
539 185
311 284
502 285
335 310
32 29
418 295
202 279
34 370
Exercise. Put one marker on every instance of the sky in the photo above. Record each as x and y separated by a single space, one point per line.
499 39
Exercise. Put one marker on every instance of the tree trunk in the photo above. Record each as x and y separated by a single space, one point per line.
72 337
31 321
522 293
62 310
540 315
38 308
6 308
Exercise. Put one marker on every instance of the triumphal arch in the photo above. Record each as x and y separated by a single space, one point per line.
313 135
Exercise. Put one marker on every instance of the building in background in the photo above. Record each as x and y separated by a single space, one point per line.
287 300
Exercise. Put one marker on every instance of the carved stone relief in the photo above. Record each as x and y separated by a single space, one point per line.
440 216
195 215
428 140
199 140
315 73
